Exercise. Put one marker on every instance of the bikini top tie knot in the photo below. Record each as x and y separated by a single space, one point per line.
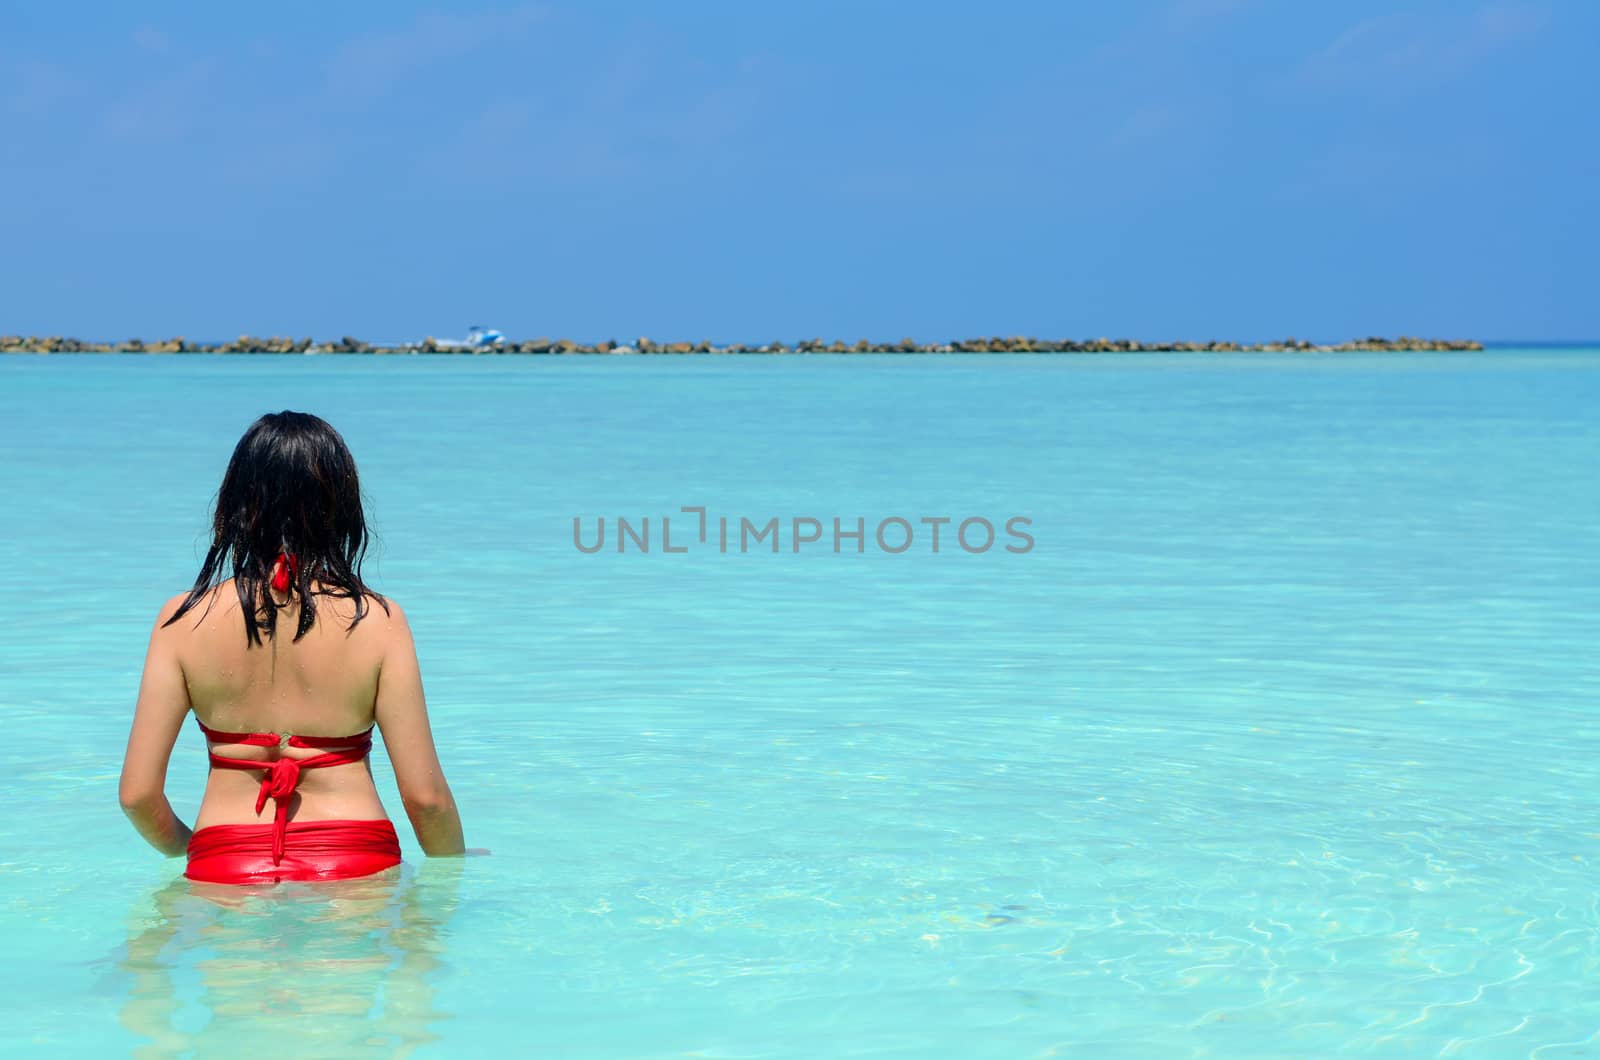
281 776
285 570
279 783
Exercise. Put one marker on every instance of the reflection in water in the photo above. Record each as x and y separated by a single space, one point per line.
320 969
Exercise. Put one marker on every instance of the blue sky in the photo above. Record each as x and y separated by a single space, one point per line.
755 171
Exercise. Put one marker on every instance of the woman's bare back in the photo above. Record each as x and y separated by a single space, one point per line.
325 685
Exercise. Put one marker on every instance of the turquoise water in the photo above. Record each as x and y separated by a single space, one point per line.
1281 740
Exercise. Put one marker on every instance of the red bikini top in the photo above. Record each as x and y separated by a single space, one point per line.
283 774
273 739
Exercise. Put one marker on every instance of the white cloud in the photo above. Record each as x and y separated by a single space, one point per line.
1414 45
165 109
1185 13
369 66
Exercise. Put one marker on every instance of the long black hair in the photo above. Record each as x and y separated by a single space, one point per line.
291 487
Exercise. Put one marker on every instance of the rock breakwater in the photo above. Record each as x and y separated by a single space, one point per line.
248 344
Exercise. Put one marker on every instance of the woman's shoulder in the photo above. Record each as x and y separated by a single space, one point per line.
383 625
170 607
376 605
198 604
386 613
372 616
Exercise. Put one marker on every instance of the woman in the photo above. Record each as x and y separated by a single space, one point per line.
287 665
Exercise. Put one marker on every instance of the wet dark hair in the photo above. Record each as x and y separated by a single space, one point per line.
291 486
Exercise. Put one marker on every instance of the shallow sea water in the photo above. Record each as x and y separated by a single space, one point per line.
1282 740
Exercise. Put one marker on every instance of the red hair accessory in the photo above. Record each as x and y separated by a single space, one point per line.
285 569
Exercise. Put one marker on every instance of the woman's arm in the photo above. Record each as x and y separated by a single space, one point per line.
402 717
163 704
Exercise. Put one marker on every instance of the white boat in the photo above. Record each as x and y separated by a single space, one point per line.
478 338
478 335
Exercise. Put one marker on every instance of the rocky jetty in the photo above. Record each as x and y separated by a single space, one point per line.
249 344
